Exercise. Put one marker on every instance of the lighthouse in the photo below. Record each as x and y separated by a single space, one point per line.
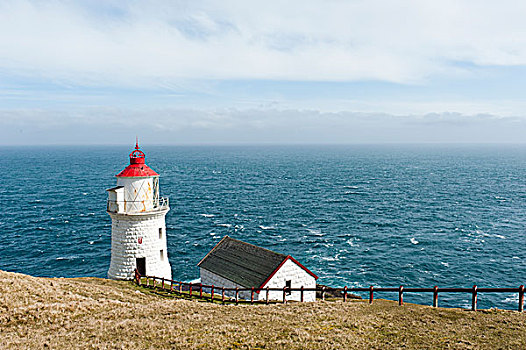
138 228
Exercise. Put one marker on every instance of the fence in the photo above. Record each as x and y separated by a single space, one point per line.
180 289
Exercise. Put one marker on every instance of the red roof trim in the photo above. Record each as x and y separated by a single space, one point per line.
272 274
303 267
279 267
137 170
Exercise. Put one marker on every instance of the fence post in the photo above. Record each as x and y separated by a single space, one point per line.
223 295
237 294
521 298
171 285
252 296
284 293
301 294
323 293
344 294
190 290
212 294
153 282
371 295
147 281
435 296
163 283
267 294
180 287
401 295
200 290
474 298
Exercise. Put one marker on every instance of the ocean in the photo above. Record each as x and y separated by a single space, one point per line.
382 215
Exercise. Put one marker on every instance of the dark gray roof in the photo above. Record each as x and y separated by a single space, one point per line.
242 263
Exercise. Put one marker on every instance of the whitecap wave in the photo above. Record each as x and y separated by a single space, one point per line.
513 299
352 243
207 215
66 257
271 227
414 241
353 192
330 258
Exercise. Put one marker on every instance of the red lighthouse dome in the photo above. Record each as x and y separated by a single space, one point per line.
137 167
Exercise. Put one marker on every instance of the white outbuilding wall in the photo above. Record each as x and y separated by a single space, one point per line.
127 231
290 271
211 279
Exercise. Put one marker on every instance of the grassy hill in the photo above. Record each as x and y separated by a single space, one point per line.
98 313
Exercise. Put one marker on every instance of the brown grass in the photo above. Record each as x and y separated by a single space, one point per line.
99 313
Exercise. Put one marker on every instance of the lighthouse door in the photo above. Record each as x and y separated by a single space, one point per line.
141 266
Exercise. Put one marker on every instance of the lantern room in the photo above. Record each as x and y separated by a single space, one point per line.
137 189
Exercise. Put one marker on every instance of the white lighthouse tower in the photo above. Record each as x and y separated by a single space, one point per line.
138 228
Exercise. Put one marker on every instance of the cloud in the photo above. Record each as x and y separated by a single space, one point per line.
233 126
154 43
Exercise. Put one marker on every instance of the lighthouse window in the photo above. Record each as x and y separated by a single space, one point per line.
162 255
160 233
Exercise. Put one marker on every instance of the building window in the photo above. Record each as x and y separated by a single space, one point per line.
160 233
288 285
162 255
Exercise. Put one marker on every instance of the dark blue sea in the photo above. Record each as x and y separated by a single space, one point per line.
417 215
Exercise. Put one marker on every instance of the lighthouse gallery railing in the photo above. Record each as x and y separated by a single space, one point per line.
114 205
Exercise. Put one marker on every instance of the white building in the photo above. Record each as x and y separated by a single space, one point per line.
233 263
138 229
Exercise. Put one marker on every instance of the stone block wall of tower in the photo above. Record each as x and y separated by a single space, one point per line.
139 236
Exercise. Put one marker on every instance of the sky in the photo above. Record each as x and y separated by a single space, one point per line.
272 72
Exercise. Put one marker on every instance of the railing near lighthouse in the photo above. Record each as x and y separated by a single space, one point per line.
218 293
114 206
162 202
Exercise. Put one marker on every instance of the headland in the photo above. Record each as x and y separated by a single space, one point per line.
65 313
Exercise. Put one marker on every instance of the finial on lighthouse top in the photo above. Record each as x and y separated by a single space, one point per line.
137 156
137 167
